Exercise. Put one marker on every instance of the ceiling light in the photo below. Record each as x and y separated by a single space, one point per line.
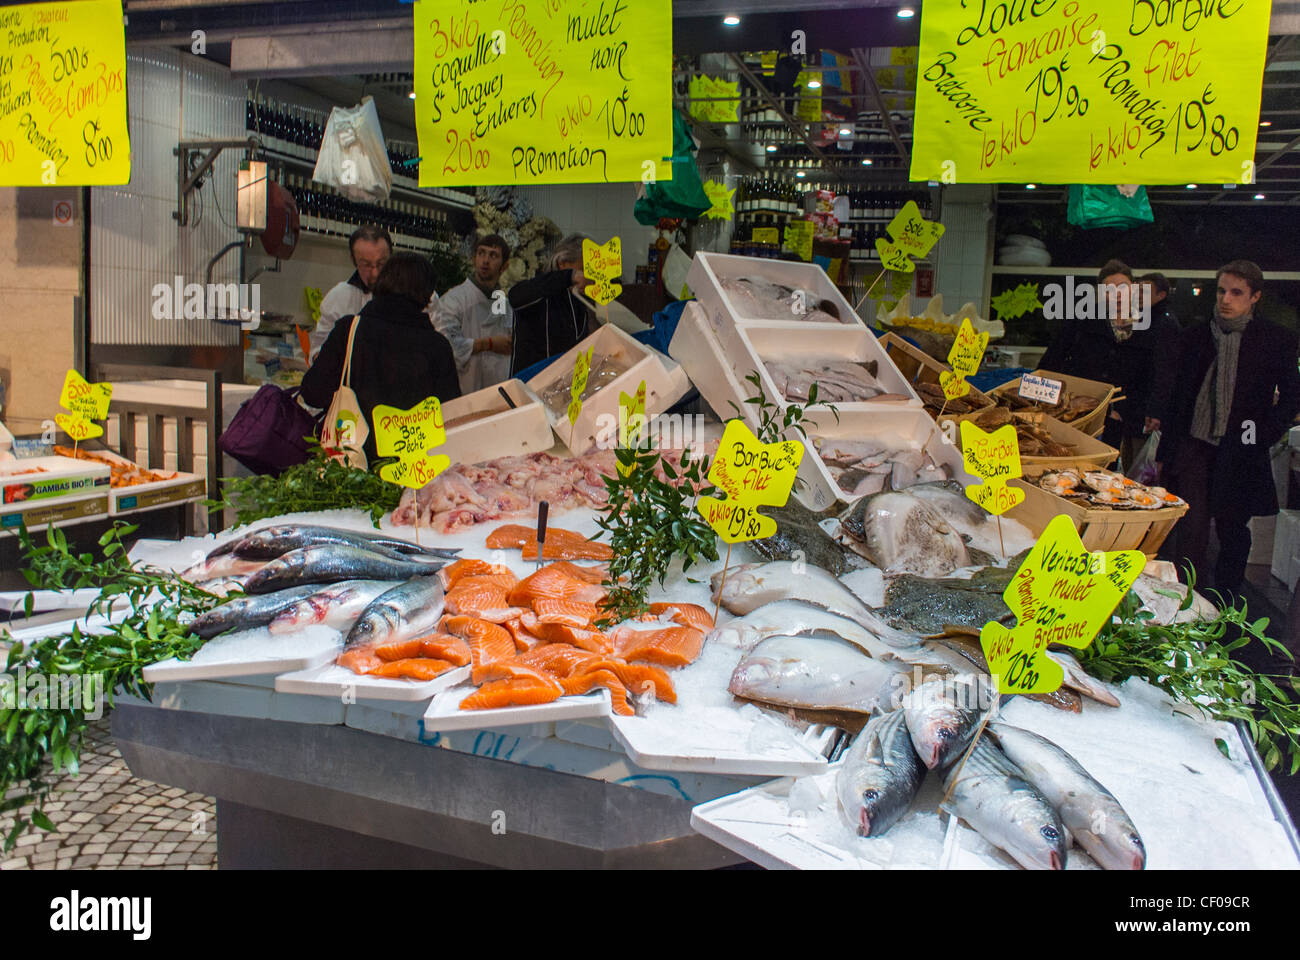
1196 291
845 132
411 95
1259 196
800 173
866 161
1266 123
771 148
814 84
731 20
1031 186
1191 186
906 12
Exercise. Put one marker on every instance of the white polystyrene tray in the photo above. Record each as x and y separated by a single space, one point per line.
444 713
250 652
649 745
49 599
331 680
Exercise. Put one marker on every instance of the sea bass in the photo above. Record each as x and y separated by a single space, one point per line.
1089 811
332 563
221 567
336 606
815 673
942 715
411 609
750 586
268 543
992 794
245 613
880 776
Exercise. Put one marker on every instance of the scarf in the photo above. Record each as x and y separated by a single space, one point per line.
1214 402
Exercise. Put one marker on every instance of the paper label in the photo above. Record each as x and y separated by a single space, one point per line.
954 385
1061 594
1040 388
1017 301
78 428
767 235
967 349
631 422
87 400
913 236
751 474
720 197
799 238
602 265
409 435
995 458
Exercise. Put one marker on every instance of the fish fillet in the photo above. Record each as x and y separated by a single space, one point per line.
584 683
517 692
560 544
415 668
484 597
488 642
686 614
555 583
558 659
572 613
592 640
468 567
671 647
437 646
637 677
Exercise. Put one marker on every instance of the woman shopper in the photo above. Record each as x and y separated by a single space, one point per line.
398 358
1224 421
549 317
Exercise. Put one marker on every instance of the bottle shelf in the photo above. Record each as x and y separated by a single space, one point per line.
439 196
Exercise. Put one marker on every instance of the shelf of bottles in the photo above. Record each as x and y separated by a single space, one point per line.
322 211
293 133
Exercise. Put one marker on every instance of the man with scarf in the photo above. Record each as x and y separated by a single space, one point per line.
1238 393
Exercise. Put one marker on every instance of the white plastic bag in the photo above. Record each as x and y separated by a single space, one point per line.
1144 468
352 155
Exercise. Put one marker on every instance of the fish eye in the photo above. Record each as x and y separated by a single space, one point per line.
1134 839
872 794
1050 833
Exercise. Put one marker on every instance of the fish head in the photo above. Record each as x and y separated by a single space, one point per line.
1118 848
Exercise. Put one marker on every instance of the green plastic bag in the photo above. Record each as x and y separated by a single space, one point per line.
1104 206
683 196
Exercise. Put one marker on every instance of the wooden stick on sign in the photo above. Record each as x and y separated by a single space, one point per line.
997 698
721 583
869 289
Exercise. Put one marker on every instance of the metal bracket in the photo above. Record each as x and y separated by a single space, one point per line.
187 180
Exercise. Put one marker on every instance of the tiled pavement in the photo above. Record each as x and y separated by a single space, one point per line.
107 820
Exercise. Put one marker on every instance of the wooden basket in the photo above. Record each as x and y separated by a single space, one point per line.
916 366
1099 528
1089 452
1094 423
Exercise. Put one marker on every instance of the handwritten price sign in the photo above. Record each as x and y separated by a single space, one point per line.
1110 91
965 356
602 265
994 458
409 435
913 236
799 238
751 474
1063 594
631 422
581 370
63 95
84 402
545 92
77 427
720 197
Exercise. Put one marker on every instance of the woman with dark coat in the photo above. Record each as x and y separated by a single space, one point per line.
549 318
1224 422
398 358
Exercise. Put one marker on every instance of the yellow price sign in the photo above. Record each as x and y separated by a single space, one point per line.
954 385
799 238
631 422
581 370
720 197
63 118
87 400
995 459
78 427
766 235
603 265
967 349
912 236
751 474
409 435
1062 593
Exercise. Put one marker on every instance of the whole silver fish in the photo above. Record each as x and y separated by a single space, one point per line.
992 794
224 586
409 610
750 586
1089 811
1078 680
221 566
816 673
942 715
336 606
330 564
271 542
880 776
244 613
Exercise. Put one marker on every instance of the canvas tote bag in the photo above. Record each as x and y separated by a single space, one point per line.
345 429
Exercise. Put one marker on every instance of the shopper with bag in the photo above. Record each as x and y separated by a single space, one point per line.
388 354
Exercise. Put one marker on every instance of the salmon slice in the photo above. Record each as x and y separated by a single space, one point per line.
555 584
524 640
584 683
360 659
415 668
483 597
593 574
592 640
488 642
437 646
512 670
516 692
560 544
670 647
468 567
637 677
558 659
572 613
686 614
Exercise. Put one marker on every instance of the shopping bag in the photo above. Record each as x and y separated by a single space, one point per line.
1144 468
353 156
683 195
1104 206
268 433
344 430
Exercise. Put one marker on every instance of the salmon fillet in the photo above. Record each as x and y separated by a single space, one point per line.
558 659
670 647
585 682
415 668
468 567
560 544
516 692
438 646
360 659
637 677
572 613
555 584
524 640
484 597
592 640
686 614
593 574
488 642
513 670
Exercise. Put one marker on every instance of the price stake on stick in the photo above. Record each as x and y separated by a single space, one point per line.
995 459
631 423
409 435
85 402
581 370
751 474
965 357
603 265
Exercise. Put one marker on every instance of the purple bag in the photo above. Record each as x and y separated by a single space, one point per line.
266 434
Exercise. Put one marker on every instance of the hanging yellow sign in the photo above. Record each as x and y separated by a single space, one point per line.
751 474
1112 91
720 197
913 236
409 435
602 265
63 95
543 92
87 400
799 238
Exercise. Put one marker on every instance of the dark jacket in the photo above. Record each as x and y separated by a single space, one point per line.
1143 367
549 319
397 359
1267 362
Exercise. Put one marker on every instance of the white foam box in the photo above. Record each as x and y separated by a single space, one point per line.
708 270
666 383
1286 543
697 348
44 480
906 428
497 430
1262 531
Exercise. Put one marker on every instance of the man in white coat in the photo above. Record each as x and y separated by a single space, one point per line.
476 318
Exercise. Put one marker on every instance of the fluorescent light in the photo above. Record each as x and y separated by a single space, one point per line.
906 12
1191 186
771 148
814 84
866 161
845 132
731 20
1031 186
1259 196
1266 123
800 173
411 95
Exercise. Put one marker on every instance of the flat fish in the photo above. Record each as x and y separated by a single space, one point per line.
901 533
799 536
880 775
1089 811
993 795
334 562
411 609
927 606
247 612
816 673
336 606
